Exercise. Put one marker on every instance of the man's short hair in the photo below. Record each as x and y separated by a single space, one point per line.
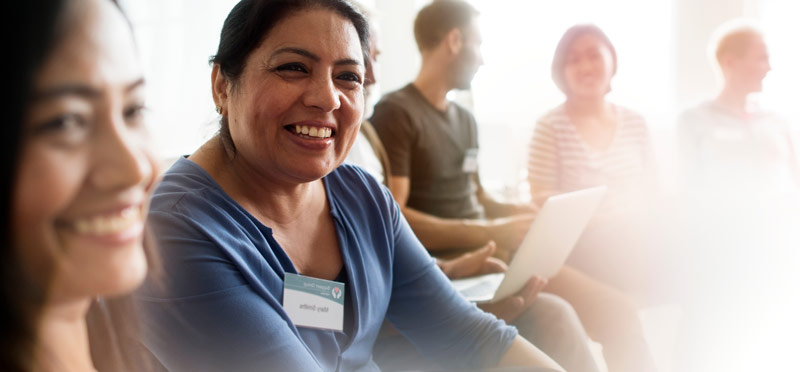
733 38
436 19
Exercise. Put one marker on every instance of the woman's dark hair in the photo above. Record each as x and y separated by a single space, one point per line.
569 37
35 30
248 24
34 26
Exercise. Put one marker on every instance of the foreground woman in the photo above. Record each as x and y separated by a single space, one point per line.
75 177
266 200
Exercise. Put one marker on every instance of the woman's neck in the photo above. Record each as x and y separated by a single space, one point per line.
63 338
284 203
587 107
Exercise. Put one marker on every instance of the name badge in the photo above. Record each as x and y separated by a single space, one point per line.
470 164
314 303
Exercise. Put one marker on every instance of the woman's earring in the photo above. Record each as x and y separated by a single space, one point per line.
219 109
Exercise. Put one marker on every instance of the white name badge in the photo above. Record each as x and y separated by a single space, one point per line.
470 164
314 303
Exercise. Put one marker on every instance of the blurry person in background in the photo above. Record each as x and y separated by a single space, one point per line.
76 174
544 319
432 146
730 140
432 143
740 180
588 141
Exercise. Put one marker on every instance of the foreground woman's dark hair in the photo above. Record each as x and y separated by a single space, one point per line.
34 30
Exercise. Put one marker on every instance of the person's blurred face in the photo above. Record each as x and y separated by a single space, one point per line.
298 104
469 59
589 68
747 71
85 169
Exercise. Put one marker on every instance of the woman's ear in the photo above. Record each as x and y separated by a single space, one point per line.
219 89
454 40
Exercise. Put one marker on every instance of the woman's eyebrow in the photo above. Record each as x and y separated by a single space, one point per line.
298 51
136 84
66 90
313 57
81 90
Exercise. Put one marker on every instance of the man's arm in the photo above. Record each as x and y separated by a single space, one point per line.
495 208
436 233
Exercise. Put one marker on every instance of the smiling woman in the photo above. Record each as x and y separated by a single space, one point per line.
79 169
277 256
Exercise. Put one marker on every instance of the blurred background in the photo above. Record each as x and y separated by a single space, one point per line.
662 47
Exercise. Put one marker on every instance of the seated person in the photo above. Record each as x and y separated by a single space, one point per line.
265 208
588 141
77 169
432 146
546 320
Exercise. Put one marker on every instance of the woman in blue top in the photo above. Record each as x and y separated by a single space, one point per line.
267 198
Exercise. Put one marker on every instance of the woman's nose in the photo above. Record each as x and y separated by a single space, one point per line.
122 159
322 94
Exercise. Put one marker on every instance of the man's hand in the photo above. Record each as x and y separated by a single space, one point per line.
513 306
478 262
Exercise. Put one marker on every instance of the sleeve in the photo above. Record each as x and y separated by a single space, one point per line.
428 311
202 315
543 161
395 129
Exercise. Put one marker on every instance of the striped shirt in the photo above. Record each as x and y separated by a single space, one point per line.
559 160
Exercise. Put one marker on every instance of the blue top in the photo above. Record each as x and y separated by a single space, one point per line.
217 304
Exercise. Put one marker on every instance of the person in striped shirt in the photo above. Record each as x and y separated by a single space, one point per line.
588 141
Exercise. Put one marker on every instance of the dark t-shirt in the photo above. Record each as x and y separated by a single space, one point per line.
429 146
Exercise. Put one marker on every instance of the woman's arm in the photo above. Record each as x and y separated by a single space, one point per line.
523 353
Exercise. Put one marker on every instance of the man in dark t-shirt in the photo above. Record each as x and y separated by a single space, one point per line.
432 144
429 147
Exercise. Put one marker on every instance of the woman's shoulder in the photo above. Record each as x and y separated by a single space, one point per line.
554 120
350 185
554 115
187 186
354 179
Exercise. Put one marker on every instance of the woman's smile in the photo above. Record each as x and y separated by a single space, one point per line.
119 226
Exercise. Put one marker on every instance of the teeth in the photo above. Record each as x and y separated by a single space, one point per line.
103 225
313 131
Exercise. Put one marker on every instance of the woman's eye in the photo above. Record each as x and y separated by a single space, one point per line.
292 67
63 123
65 129
134 114
350 76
